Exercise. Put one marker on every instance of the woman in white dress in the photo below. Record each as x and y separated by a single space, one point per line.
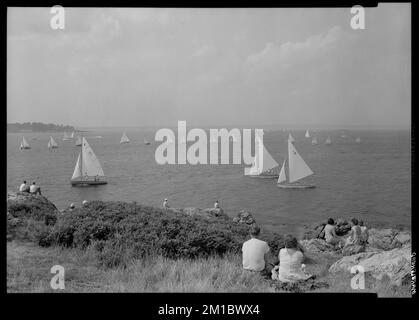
291 267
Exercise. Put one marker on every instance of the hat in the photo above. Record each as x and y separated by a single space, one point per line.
72 205
84 202
165 199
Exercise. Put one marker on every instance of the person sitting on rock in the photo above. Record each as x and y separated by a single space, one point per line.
255 252
354 234
34 189
24 187
330 233
364 232
216 205
165 204
72 207
291 267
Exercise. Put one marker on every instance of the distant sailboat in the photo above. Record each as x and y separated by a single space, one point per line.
51 143
263 163
24 144
72 135
290 138
297 170
314 140
358 140
124 138
307 134
328 141
88 170
146 142
78 141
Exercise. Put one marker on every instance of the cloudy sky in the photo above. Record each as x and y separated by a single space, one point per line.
153 67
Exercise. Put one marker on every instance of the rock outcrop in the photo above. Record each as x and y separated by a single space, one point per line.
317 246
394 263
245 217
29 216
387 239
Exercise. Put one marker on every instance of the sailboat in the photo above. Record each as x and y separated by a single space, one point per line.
328 141
358 140
124 138
297 170
78 141
88 170
24 144
146 142
290 138
307 134
66 136
314 140
263 163
51 143
72 135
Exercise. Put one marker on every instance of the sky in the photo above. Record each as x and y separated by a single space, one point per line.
155 66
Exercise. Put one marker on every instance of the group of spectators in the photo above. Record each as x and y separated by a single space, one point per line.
33 188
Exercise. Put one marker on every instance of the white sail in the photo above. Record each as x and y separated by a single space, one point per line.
264 159
282 177
328 140
90 164
307 134
124 138
358 140
24 144
77 169
298 169
314 141
49 144
52 142
72 135
78 141
290 138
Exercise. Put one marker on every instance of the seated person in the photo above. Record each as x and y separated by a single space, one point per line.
364 232
330 233
354 237
34 189
254 252
24 187
291 267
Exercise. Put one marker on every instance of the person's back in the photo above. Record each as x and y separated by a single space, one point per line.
290 262
254 251
364 234
329 233
34 189
355 235
24 187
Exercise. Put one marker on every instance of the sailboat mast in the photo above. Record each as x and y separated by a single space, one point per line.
81 159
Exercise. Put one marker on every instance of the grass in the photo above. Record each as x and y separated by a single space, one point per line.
28 270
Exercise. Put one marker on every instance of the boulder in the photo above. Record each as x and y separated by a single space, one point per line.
23 205
394 264
387 239
314 231
245 217
352 249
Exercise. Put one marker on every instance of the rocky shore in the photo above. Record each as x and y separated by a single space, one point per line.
190 232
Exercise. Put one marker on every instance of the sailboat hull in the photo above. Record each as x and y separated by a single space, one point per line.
296 186
86 183
264 176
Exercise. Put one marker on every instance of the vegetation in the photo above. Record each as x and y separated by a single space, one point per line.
37 127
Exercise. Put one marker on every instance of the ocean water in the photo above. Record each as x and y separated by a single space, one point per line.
370 180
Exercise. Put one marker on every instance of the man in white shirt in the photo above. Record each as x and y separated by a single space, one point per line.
24 187
34 189
165 204
254 252
216 205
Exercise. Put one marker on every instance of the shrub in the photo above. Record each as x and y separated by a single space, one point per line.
121 231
